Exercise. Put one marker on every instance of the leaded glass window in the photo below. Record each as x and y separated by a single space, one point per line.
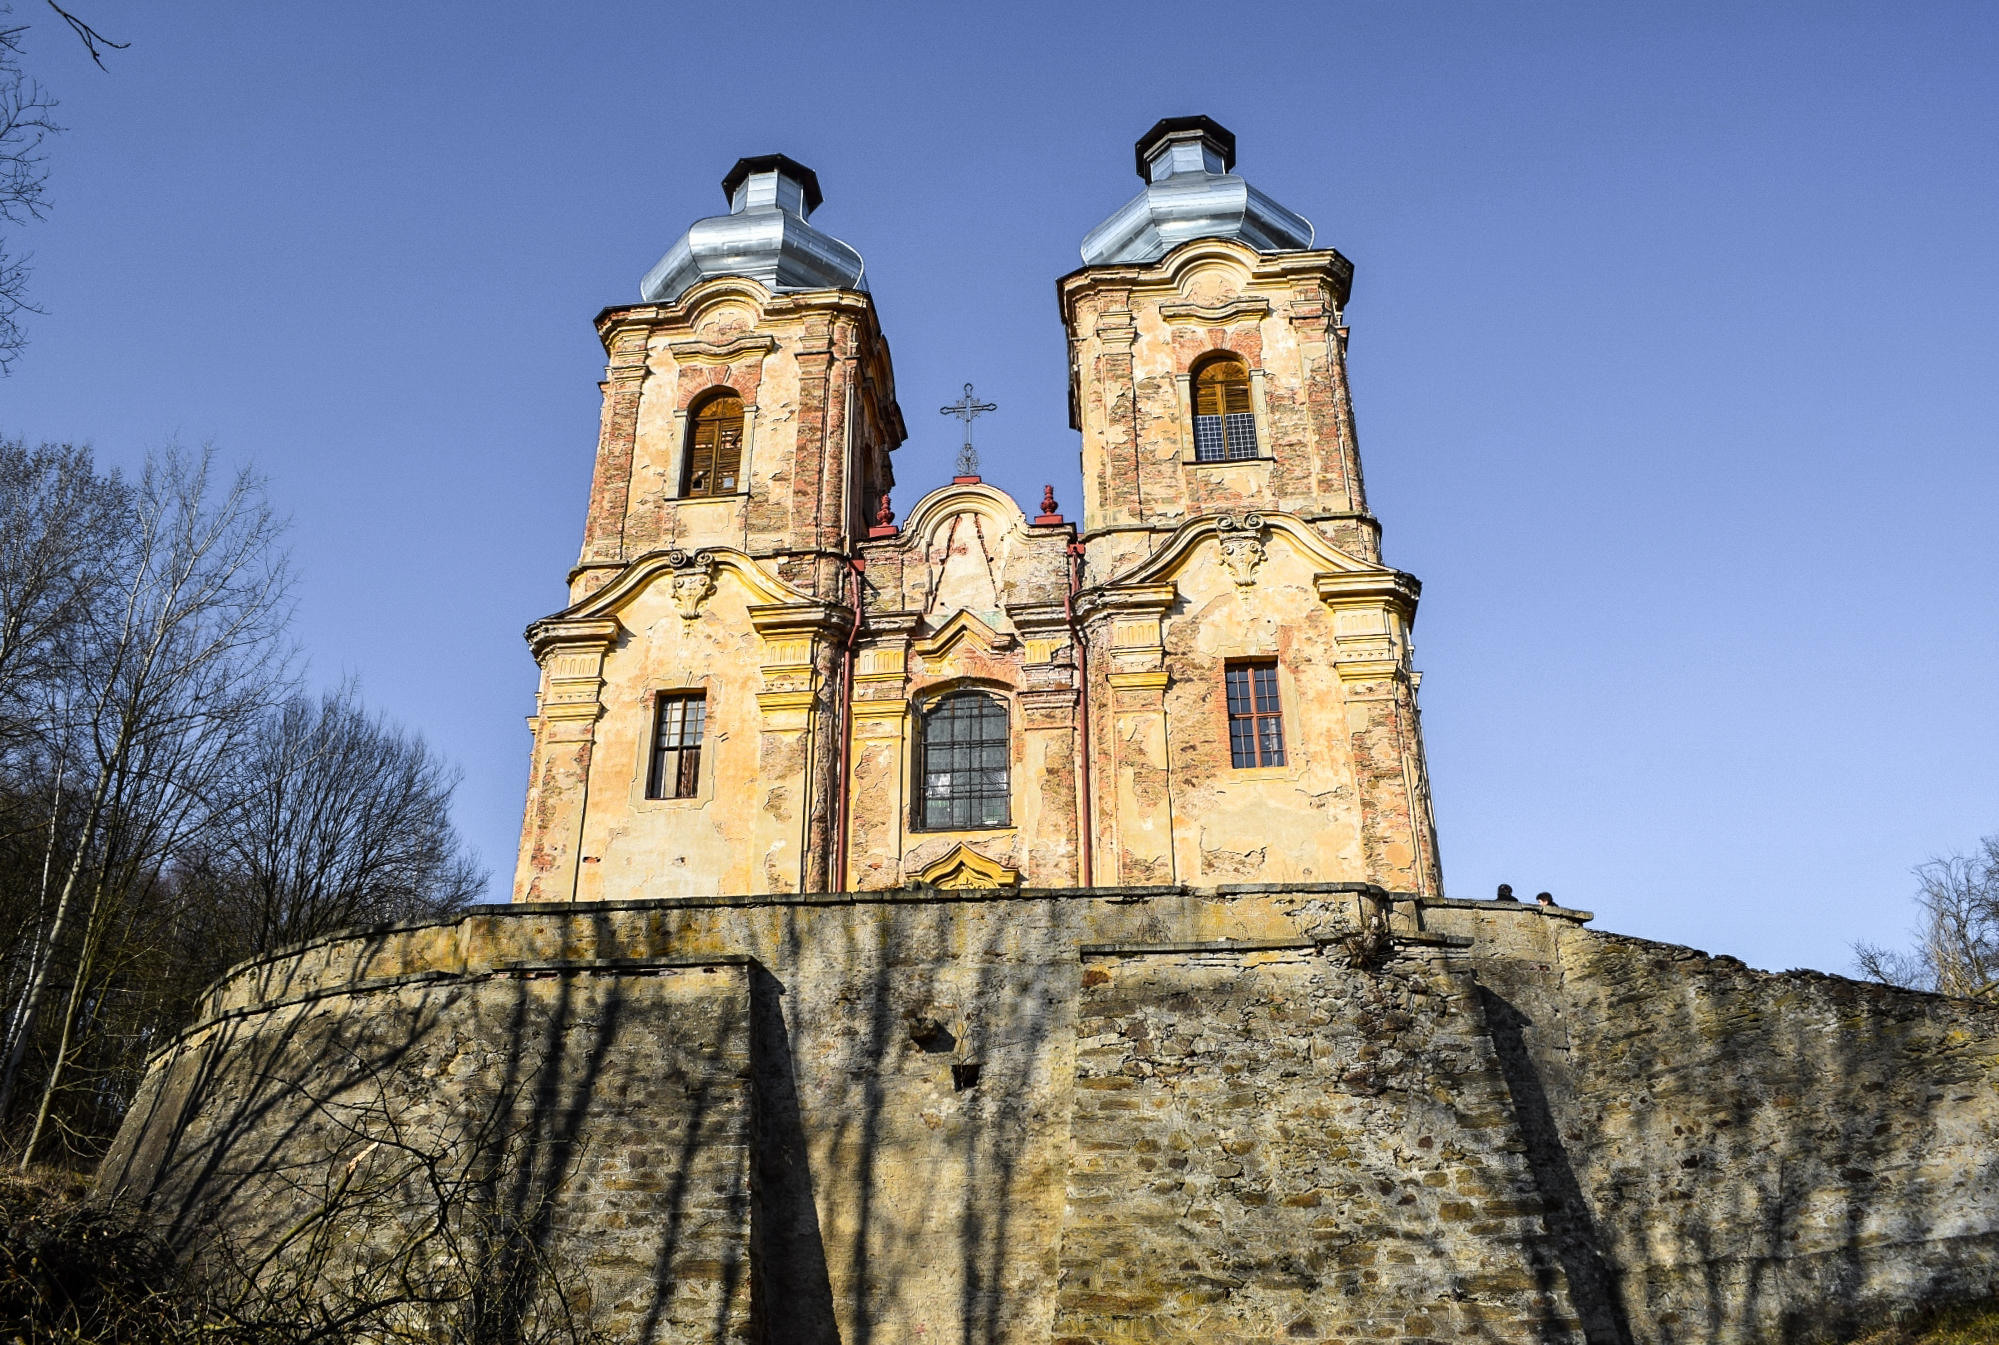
1256 724
679 718
967 752
1224 423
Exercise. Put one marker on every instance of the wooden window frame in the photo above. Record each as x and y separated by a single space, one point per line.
713 460
1253 707
1224 422
971 804
673 768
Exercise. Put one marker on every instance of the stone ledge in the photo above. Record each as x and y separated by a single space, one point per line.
1478 904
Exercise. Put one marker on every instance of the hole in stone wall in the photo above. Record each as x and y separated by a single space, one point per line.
931 1035
964 1075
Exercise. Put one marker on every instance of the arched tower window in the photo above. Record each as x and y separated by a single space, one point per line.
715 447
966 750
1224 424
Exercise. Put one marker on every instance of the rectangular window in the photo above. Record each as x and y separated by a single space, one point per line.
1256 725
715 449
967 748
1224 422
676 745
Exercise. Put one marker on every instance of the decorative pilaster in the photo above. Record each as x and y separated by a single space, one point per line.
878 803
797 754
1371 615
617 439
1049 815
1139 824
571 654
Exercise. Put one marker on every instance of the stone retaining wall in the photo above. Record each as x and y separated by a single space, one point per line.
1118 1114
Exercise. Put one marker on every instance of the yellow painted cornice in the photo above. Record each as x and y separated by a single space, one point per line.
596 633
1172 557
966 868
963 626
1390 587
633 579
1284 270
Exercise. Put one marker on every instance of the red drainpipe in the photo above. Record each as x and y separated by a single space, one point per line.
847 729
1087 823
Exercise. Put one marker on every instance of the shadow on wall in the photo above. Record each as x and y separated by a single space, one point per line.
631 1130
581 1150
1731 1155
865 1118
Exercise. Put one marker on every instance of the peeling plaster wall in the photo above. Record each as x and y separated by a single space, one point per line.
1193 1119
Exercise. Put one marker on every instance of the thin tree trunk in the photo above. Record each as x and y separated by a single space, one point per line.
35 945
31 999
68 1024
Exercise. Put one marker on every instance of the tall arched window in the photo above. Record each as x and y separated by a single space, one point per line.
966 750
1224 424
715 447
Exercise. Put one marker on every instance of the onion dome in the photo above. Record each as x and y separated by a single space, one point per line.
764 237
1191 192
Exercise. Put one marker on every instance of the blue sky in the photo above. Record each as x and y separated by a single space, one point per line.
1674 352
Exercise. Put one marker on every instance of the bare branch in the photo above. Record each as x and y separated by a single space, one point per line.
92 39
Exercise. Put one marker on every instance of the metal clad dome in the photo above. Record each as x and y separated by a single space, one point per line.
764 237
1190 192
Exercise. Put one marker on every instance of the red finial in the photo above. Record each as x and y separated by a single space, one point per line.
1048 507
884 519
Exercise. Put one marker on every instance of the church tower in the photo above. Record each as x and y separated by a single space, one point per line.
684 740
1248 650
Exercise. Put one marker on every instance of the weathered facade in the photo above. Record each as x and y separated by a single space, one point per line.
988 929
820 637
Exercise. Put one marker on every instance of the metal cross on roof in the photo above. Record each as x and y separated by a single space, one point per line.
968 408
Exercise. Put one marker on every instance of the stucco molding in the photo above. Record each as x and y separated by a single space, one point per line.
747 346
1385 587
685 313
1278 270
965 868
1178 551
764 588
962 627
934 510
596 634
1245 308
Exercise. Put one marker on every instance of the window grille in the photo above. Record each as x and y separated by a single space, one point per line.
715 447
676 745
1256 724
1224 423
967 750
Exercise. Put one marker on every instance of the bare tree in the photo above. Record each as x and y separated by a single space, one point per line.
336 819
165 683
1956 948
25 125
25 108
59 521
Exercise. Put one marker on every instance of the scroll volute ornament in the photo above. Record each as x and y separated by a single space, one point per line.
693 581
1242 548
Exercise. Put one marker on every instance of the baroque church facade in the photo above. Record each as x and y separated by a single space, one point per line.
765 684
1016 930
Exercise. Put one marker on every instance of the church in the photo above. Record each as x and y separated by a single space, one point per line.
936 921
764 683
